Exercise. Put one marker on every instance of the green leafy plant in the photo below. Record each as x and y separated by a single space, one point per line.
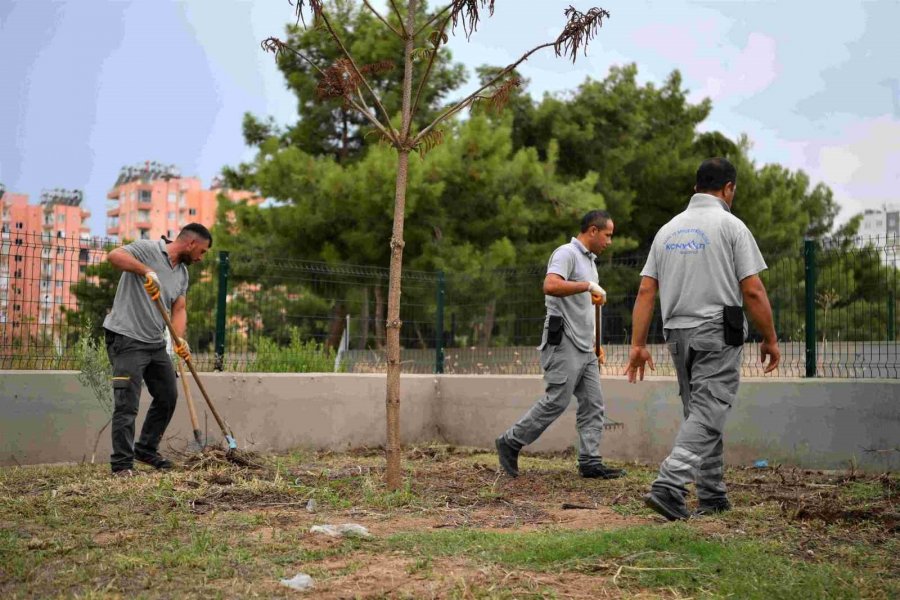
94 372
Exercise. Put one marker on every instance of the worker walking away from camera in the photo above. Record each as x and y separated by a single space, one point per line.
706 265
136 344
571 288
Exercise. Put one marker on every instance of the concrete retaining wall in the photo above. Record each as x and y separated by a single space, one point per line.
46 416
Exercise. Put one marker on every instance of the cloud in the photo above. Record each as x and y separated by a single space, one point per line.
726 72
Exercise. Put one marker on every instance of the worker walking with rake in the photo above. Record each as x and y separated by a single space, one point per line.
152 271
568 357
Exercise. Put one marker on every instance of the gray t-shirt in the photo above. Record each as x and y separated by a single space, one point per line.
699 259
573 262
133 313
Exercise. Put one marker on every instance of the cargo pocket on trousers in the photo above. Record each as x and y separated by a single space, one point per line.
553 381
121 384
673 348
717 411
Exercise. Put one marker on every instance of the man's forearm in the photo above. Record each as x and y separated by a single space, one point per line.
760 312
640 318
561 288
179 322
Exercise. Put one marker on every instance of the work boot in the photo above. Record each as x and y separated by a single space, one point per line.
712 507
600 471
509 457
667 503
154 459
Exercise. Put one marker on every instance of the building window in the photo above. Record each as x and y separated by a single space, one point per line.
59 298
171 215
81 268
19 225
61 217
59 268
18 258
59 285
17 307
192 211
145 196
171 197
145 235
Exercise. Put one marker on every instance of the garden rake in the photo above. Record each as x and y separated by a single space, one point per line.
226 430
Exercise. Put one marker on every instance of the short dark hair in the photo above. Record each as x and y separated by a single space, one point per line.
197 230
714 173
595 218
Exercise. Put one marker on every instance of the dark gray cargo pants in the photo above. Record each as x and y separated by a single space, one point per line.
132 362
708 377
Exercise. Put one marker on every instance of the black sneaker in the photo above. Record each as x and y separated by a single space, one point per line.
600 471
667 504
509 457
712 507
155 460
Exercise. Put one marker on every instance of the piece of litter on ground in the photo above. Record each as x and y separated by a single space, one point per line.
761 463
311 505
345 530
300 581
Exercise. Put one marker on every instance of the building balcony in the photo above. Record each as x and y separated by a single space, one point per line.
112 212
142 224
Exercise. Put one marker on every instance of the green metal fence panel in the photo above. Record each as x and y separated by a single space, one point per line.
833 301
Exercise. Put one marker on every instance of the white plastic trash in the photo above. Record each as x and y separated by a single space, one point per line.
300 581
343 530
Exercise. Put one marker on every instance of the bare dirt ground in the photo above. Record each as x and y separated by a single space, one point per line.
457 529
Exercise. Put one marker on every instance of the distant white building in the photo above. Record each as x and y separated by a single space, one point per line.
881 228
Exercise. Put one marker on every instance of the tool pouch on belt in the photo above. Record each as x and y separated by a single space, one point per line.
734 325
554 330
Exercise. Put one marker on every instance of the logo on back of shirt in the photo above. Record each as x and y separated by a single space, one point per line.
687 241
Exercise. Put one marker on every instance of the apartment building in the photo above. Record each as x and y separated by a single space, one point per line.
44 250
882 229
152 200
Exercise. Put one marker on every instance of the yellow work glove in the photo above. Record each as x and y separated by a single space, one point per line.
182 349
152 285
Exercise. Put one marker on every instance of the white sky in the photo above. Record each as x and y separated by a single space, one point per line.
91 85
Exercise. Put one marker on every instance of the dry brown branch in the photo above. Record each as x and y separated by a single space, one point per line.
315 6
580 29
277 47
387 23
497 101
467 12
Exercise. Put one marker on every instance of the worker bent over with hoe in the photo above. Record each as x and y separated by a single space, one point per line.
136 344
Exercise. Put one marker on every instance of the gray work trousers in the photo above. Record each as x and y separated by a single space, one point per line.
708 376
568 371
134 362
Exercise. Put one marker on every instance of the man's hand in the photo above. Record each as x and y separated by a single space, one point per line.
152 285
773 352
601 355
637 358
598 294
182 349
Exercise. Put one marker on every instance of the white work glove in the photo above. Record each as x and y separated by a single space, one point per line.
598 294
152 284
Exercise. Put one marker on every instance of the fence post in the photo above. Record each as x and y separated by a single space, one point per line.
439 325
220 310
809 259
892 319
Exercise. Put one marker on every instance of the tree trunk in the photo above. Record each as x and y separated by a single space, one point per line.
379 317
392 401
489 315
345 138
364 320
336 327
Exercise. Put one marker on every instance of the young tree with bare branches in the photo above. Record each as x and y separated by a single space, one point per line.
350 81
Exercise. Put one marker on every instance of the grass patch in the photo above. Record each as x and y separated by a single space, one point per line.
674 556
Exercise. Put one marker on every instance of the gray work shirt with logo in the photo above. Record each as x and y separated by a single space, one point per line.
699 259
133 313
573 262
